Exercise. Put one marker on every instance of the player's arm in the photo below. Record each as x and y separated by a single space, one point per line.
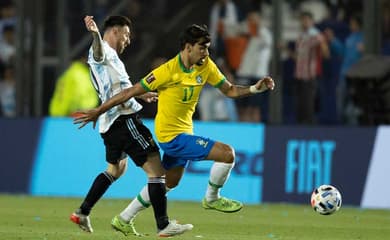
97 43
84 117
236 91
122 97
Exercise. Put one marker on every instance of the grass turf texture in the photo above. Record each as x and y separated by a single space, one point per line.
24 217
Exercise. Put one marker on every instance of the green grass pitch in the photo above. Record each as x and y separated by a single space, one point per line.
24 217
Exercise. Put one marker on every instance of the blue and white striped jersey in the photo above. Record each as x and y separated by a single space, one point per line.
109 77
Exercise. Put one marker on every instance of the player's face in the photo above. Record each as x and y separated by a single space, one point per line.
199 53
123 38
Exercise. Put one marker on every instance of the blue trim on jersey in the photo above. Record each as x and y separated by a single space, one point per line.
184 148
95 82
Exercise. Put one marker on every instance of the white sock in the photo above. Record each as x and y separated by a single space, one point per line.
138 204
219 173
141 202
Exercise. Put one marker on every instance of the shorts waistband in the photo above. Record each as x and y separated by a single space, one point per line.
123 118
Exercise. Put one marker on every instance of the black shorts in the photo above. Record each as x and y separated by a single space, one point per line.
128 135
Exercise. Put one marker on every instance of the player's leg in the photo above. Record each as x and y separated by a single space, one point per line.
127 217
125 221
156 189
117 165
142 201
223 156
145 153
99 186
160 205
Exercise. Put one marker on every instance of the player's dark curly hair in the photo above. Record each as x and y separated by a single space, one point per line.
194 34
112 21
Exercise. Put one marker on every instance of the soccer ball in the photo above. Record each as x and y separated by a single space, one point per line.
326 200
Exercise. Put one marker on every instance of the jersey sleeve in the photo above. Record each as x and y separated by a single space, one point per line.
105 52
156 79
215 78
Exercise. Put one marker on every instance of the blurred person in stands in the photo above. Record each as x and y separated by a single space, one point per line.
310 48
254 65
288 69
331 72
386 28
8 92
223 15
179 83
122 130
213 105
74 90
353 52
7 44
7 15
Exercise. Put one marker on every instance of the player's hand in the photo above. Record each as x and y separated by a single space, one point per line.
266 83
84 117
149 97
90 24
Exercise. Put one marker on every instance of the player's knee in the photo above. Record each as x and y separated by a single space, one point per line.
171 181
116 173
171 184
228 154
117 170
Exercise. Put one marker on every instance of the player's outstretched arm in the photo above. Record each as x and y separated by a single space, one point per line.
84 117
236 91
97 44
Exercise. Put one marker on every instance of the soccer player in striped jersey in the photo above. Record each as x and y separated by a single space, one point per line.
179 83
121 128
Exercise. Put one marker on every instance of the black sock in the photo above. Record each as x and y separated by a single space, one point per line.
99 187
156 188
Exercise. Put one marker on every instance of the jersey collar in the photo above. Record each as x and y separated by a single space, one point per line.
183 68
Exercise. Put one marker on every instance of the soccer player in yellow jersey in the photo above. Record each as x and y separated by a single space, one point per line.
179 83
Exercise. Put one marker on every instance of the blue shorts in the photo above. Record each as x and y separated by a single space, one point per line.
184 148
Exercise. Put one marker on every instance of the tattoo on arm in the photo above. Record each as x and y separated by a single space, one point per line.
97 46
235 91
242 91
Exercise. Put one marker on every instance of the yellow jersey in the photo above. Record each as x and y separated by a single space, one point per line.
178 93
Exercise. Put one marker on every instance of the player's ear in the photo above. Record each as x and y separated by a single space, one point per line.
188 47
115 30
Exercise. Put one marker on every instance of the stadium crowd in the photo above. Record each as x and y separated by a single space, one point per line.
242 44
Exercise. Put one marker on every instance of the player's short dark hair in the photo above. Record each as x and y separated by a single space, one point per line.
113 21
194 34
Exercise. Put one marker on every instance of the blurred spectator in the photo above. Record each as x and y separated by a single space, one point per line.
386 27
254 65
7 16
100 10
213 105
336 23
328 84
317 8
223 15
288 68
134 8
7 92
73 91
7 44
353 52
310 49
